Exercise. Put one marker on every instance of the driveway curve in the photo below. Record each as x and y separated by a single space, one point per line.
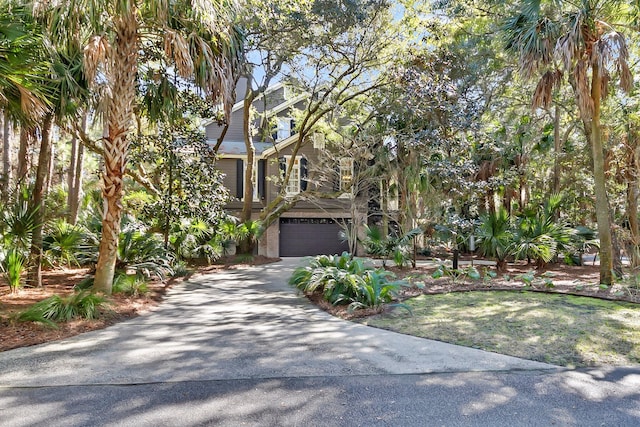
245 323
240 347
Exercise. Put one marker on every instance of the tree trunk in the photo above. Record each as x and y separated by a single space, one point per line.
384 207
632 214
557 150
26 136
6 156
71 173
116 146
246 245
75 175
602 202
49 180
38 196
632 197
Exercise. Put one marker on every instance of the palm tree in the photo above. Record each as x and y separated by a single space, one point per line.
197 38
22 69
495 236
581 44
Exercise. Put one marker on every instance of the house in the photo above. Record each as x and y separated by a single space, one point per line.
312 225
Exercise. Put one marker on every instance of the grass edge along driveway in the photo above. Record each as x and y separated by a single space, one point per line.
559 329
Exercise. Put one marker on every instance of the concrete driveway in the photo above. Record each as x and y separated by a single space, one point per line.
241 348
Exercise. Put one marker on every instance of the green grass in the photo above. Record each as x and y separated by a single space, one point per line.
559 329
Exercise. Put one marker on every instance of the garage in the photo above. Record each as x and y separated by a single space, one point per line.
310 236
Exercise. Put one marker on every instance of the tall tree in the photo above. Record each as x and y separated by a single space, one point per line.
333 73
583 43
5 179
74 178
279 34
198 37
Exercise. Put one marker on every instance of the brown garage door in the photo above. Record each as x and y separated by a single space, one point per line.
310 236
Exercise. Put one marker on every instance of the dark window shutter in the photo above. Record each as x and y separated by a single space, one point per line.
262 182
304 173
356 173
336 182
293 127
239 178
282 165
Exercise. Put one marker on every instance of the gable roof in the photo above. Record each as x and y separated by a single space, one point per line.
240 104
238 147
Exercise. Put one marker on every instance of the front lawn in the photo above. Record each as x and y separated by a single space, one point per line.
564 330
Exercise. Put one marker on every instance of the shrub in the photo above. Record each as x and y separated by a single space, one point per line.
82 304
495 237
144 253
343 280
390 246
129 284
195 238
540 236
63 243
13 265
456 274
374 290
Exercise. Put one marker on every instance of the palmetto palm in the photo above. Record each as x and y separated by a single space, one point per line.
22 67
580 42
195 37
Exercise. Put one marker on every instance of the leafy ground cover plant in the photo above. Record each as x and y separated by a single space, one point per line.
63 243
343 280
395 247
54 309
144 253
456 274
130 284
13 265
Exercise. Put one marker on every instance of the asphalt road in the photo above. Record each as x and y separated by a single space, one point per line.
241 348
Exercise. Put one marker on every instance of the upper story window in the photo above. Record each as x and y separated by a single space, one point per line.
346 174
318 141
285 128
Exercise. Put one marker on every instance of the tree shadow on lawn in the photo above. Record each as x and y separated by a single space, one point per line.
560 329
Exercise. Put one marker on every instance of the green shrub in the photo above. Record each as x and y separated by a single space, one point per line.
13 265
343 280
63 243
180 269
144 253
129 284
374 290
457 274
390 246
495 237
82 304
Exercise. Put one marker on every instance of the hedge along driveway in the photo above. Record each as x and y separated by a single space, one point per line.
560 329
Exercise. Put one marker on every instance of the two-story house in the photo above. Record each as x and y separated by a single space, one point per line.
312 226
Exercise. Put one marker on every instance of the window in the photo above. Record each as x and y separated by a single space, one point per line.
318 140
284 129
258 179
346 174
293 186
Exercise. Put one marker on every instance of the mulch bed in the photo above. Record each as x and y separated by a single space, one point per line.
571 280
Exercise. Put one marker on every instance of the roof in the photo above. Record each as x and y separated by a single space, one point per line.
240 104
238 147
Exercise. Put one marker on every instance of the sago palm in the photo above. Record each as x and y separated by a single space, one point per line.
196 38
